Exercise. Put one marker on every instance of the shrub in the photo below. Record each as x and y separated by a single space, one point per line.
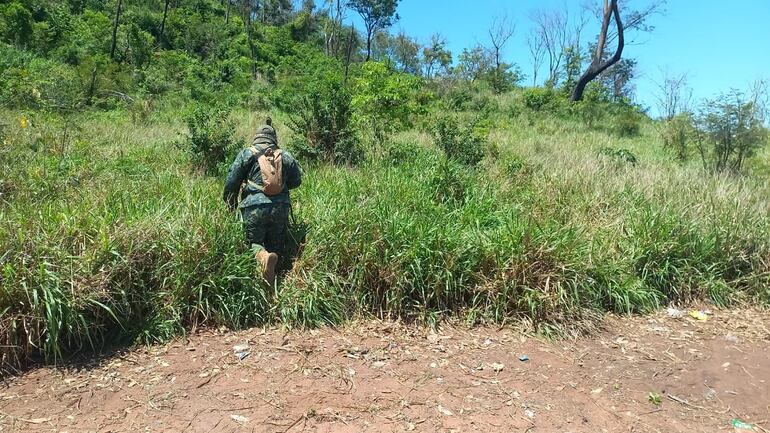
448 182
627 122
677 134
461 143
384 101
619 155
210 140
319 108
729 131
541 99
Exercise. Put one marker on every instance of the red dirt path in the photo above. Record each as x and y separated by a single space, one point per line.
385 377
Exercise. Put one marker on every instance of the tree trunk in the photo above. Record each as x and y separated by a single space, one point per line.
369 44
115 30
597 66
163 22
350 52
227 12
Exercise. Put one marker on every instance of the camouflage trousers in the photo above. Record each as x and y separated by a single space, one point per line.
266 225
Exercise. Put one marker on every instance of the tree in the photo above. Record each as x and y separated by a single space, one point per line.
729 131
332 28
618 79
165 15
16 23
115 30
436 56
536 47
555 34
673 96
406 53
474 63
600 62
377 15
499 34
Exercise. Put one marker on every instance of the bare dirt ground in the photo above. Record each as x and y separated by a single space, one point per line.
386 377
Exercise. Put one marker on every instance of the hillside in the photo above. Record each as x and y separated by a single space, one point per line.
426 198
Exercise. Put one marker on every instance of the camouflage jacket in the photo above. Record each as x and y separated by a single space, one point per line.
244 172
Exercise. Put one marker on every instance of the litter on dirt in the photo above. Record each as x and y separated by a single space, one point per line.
699 315
742 426
523 358
675 313
241 351
240 348
239 419
497 367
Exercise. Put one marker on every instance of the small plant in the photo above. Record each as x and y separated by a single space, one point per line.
619 155
210 140
461 143
448 183
677 134
655 398
541 99
627 122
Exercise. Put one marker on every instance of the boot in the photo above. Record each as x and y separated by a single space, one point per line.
267 262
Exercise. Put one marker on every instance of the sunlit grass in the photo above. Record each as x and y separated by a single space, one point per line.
110 236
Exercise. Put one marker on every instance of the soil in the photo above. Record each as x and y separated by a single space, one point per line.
639 374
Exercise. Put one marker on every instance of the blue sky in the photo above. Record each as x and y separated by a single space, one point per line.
720 44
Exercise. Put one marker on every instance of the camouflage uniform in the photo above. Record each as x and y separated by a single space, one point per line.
265 218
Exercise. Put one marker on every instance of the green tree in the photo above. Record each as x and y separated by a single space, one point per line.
384 101
377 15
729 131
436 57
474 63
16 24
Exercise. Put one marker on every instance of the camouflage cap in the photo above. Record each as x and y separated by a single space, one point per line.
266 134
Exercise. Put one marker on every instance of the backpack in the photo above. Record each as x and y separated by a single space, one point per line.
271 167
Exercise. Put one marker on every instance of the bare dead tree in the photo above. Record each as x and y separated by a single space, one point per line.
333 26
760 98
673 95
537 52
550 27
553 34
499 34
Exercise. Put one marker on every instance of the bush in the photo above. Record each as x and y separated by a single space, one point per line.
627 122
466 97
619 155
677 134
730 130
211 138
385 101
320 112
541 99
461 143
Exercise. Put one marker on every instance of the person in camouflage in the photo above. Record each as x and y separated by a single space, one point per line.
265 218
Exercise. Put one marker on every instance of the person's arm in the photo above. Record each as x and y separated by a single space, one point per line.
294 173
237 174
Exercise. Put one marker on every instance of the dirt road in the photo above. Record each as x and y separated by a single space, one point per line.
640 374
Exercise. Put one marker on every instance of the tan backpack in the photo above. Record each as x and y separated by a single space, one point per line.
271 167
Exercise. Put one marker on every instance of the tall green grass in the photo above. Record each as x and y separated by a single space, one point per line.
112 238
